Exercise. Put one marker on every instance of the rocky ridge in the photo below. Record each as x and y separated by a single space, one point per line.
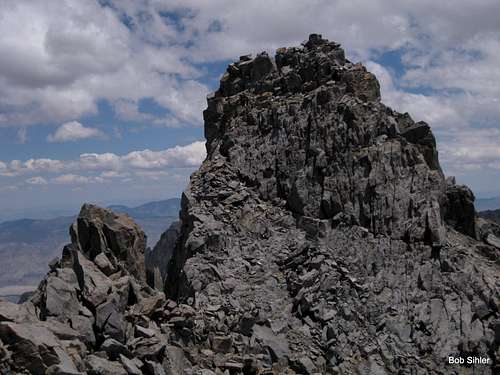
323 232
319 236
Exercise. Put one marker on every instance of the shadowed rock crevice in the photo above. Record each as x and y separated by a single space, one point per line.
158 258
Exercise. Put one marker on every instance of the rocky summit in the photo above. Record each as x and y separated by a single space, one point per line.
319 236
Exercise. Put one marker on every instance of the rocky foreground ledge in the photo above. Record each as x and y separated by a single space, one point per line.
93 313
319 236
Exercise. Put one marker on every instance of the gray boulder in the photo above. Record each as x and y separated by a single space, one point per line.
99 366
34 347
99 230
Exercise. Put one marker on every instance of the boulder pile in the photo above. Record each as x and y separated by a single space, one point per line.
93 313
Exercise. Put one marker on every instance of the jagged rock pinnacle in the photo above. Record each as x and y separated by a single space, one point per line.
101 231
308 128
321 226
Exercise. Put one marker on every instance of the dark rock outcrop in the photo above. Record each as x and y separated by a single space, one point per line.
116 236
326 145
86 314
488 228
319 236
459 208
158 258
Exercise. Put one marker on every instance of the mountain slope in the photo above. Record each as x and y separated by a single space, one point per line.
169 207
26 248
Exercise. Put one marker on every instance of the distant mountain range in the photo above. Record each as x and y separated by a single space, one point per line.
169 207
28 245
483 204
493 215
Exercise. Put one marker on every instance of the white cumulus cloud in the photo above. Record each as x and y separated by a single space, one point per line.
178 156
59 58
37 180
73 179
22 136
74 131
109 164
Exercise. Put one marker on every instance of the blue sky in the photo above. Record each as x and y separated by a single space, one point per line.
102 100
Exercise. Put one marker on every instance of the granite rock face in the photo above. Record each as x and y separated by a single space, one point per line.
319 236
